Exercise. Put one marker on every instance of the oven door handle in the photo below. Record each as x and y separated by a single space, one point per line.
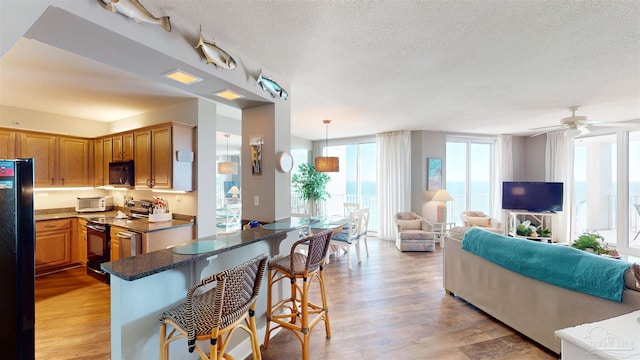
97 271
97 228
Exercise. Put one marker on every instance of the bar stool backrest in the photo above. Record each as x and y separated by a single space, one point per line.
317 251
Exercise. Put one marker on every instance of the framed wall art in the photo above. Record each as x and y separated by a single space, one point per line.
256 142
434 174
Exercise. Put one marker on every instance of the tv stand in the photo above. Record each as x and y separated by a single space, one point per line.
541 221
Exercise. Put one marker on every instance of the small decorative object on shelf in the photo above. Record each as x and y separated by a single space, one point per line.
271 87
133 9
220 58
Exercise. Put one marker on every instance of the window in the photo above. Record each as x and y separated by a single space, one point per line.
595 186
634 189
356 181
469 175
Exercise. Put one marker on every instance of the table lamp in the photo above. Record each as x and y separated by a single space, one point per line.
442 196
234 191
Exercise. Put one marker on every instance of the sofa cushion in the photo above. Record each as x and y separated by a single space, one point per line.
410 224
479 221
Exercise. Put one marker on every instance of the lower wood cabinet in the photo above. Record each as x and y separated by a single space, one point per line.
56 245
115 242
82 241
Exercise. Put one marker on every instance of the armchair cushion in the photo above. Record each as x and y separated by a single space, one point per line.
481 221
410 224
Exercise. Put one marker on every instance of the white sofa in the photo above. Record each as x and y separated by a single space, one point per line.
534 308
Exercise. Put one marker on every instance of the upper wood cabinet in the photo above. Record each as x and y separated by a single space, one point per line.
7 144
123 147
157 164
59 160
74 162
44 149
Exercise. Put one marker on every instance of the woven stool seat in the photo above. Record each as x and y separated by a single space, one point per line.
297 313
215 313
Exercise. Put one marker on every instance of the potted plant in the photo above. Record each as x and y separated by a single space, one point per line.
310 185
591 242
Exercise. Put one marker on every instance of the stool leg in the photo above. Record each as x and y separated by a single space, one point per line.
163 338
267 333
304 326
294 300
325 305
254 333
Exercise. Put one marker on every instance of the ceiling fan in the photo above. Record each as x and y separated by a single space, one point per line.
576 125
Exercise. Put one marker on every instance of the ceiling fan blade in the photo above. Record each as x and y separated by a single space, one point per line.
613 124
549 128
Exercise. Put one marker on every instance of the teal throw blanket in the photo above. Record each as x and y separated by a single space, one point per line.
555 264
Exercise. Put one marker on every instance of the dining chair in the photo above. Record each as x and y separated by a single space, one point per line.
214 313
298 313
350 207
350 237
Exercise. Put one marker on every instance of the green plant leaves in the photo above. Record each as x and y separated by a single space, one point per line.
310 184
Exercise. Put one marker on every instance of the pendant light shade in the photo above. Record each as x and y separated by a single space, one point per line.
227 167
327 163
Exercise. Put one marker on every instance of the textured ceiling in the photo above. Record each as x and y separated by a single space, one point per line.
485 67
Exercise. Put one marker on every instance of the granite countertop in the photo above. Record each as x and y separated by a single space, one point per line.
139 266
138 225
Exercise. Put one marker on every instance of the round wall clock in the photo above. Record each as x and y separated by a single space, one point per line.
284 161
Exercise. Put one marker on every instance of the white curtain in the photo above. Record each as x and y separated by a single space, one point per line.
503 172
559 168
393 178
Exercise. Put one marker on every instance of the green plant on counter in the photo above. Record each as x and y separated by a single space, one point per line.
590 241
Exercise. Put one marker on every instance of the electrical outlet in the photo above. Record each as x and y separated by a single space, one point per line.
178 198
256 200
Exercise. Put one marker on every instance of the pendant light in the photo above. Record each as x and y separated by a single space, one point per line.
327 163
227 167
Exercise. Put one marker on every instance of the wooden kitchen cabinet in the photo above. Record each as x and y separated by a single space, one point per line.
157 164
74 162
59 160
102 156
43 148
56 245
123 147
115 242
7 144
82 241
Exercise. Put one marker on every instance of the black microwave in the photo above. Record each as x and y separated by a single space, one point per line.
121 173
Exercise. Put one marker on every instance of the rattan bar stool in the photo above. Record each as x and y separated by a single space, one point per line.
216 313
297 313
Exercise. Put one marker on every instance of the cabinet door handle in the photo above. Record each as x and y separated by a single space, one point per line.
51 181
49 226
62 181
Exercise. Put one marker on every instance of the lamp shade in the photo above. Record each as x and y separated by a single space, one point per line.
234 190
441 195
327 164
227 167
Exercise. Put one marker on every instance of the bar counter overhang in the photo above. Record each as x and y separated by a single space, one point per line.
143 286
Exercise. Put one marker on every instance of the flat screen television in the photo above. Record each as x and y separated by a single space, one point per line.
532 196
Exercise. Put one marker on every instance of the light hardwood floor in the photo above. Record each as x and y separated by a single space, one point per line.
392 306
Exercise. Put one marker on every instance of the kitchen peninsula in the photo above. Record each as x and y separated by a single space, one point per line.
143 286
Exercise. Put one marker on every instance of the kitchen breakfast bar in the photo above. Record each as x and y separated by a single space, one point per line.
144 286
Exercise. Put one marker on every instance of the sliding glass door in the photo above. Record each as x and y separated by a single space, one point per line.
356 181
634 189
469 171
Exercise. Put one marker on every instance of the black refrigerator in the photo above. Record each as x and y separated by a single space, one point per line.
17 258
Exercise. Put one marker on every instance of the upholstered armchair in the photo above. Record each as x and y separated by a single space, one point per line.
480 219
414 233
